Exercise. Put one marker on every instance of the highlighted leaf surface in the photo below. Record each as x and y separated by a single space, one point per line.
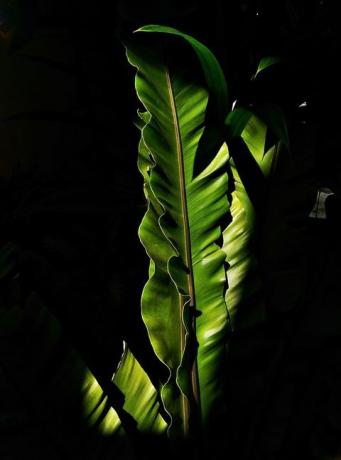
183 301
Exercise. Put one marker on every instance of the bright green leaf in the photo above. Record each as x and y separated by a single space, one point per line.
179 232
141 398
244 296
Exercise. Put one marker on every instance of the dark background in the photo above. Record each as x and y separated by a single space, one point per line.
71 197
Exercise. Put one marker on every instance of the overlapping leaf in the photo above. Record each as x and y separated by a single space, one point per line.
245 294
141 398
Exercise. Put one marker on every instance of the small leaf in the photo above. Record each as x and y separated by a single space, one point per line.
265 63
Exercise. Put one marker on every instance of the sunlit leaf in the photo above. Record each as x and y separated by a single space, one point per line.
183 300
244 296
141 397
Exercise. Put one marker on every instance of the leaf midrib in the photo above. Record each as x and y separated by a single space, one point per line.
187 247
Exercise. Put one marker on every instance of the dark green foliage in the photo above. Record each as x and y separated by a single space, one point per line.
60 154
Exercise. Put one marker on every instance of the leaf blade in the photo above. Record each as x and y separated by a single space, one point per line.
141 398
173 189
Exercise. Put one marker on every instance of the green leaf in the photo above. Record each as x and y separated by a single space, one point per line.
265 63
183 301
244 296
141 398
254 136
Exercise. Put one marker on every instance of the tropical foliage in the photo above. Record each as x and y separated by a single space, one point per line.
204 282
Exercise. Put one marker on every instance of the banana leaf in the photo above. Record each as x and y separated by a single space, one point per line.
183 302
